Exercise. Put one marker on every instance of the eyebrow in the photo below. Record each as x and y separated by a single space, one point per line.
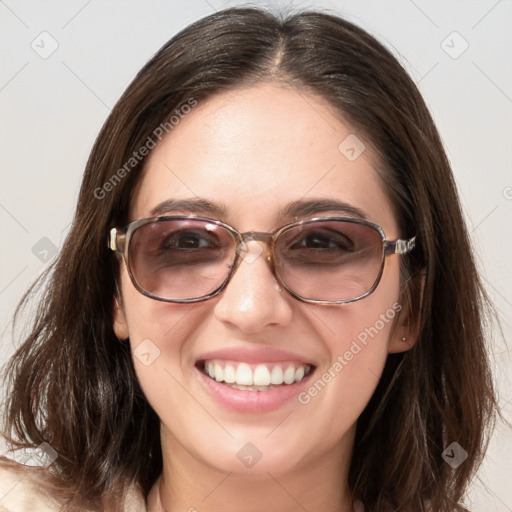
300 208
190 205
304 208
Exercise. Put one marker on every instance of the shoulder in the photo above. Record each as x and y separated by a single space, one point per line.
22 489
25 489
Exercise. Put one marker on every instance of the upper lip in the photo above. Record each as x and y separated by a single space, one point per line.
254 355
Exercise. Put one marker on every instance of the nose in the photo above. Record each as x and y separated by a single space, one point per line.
252 300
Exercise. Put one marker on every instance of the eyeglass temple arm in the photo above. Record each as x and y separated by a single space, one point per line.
116 240
400 246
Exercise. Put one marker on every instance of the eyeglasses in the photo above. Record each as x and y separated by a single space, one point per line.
184 258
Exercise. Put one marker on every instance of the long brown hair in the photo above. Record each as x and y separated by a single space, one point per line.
73 382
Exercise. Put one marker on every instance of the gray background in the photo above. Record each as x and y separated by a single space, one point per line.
64 64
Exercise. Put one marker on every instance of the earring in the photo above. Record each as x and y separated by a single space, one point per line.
404 338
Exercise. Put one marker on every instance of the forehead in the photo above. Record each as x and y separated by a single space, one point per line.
254 151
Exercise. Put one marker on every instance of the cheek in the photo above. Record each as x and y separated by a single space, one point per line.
339 392
157 333
356 337
357 357
149 319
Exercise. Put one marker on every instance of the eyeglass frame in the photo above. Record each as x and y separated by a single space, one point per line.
119 242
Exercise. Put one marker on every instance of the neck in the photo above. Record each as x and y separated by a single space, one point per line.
188 484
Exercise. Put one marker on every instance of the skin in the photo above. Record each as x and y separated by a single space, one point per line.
255 151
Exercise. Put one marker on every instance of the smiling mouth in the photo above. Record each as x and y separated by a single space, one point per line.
254 377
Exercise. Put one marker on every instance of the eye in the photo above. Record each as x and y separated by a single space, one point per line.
318 246
322 240
189 240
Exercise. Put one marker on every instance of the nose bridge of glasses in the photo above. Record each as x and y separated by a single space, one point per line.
255 236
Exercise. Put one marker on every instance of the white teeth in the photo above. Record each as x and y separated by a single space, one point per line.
229 374
276 377
242 376
289 375
299 373
219 372
251 388
261 375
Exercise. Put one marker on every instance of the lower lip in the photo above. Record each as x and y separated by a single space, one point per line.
252 401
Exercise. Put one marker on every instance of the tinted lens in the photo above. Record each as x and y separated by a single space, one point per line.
330 260
181 259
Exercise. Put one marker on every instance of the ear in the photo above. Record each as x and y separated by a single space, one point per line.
408 325
120 324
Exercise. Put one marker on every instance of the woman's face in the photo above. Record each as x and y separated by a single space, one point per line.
252 153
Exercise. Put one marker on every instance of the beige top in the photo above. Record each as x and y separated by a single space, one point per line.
22 489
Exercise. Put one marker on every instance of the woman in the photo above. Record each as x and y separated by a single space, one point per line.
267 300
